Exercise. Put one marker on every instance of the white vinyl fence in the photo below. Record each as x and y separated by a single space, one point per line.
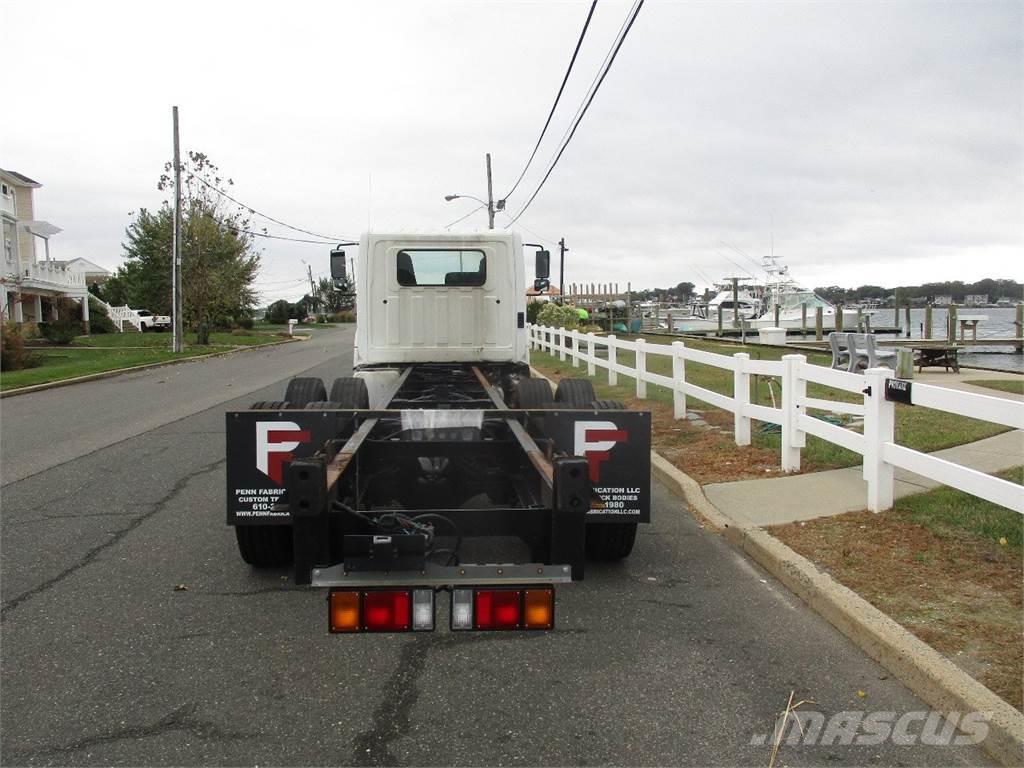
881 454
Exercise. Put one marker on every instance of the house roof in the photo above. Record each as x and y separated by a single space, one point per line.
20 178
86 266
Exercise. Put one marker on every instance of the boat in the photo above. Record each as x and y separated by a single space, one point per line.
756 304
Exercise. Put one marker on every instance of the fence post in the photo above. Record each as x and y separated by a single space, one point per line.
613 375
550 338
575 348
741 398
641 369
561 343
879 428
794 389
678 380
590 353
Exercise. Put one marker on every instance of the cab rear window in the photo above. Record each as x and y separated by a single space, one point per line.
441 267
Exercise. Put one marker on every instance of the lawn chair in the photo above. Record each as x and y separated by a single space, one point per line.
865 354
840 354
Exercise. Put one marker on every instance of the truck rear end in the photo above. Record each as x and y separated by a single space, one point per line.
378 489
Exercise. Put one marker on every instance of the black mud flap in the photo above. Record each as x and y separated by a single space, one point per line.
617 447
260 446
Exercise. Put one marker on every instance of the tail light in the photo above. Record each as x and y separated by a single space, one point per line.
380 610
496 609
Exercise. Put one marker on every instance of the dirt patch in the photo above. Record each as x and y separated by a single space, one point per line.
959 593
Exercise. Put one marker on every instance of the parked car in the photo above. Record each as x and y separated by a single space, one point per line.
150 322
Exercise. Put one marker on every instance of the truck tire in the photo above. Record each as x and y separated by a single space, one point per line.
265 546
609 541
608 405
578 393
350 392
533 394
304 390
270 405
323 405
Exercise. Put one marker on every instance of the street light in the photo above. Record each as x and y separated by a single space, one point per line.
489 205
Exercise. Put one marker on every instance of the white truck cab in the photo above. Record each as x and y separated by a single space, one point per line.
440 298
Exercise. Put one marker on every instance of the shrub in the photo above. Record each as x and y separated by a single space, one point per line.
558 316
240 332
99 321
245 322
279 312
345 316
13 356
67 326
533 308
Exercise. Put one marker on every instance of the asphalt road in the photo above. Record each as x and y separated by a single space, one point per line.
113 494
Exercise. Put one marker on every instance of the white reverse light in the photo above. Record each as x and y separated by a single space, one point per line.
423 609
462 609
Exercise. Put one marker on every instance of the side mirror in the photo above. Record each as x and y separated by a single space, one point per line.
338 271
541 284
543 265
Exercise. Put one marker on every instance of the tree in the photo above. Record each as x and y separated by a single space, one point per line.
332 299
684 291
219 260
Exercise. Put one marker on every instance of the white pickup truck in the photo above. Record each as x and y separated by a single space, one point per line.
150 322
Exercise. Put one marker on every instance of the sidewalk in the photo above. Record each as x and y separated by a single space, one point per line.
778 500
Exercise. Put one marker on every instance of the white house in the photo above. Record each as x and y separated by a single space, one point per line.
27 273
94 273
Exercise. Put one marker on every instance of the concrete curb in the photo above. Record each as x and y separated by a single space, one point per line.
146 366
930 675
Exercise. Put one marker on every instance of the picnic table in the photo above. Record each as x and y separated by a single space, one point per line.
926 356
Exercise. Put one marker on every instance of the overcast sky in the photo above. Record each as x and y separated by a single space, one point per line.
884 140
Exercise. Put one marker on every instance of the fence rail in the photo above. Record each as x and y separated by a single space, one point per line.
881 455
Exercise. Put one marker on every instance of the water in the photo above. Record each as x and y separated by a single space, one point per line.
999 325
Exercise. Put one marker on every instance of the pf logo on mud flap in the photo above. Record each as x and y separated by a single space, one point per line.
594 441
275 441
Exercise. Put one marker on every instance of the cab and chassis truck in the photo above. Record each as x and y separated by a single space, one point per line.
376 486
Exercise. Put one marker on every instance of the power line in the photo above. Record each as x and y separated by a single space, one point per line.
270 218
274 237
561 88
463 218
636 10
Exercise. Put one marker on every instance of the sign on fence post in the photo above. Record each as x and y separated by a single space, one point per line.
613 375
741 398
641 369
678 380
879 428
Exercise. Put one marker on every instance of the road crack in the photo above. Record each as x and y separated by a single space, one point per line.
181 719
118 535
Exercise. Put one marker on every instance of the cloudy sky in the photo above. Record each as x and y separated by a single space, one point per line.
877 142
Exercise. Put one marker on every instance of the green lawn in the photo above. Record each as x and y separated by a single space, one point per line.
1014 386
69 363
947 511
919 428
163 340
111 351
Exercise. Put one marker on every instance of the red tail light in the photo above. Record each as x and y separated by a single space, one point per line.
387 611
380 610
498 608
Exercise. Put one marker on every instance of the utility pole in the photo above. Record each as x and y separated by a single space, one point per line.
562 250
312 288
176 255
490 195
